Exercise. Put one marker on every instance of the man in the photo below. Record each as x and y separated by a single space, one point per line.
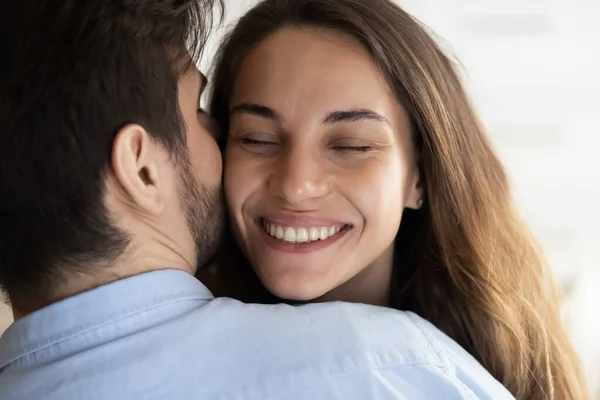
110 201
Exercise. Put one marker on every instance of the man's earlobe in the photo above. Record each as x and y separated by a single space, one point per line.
135 163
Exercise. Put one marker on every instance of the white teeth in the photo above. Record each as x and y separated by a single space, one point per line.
313 234
290 235
323 233
279 232
300 235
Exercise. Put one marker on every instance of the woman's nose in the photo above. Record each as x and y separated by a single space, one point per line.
299 178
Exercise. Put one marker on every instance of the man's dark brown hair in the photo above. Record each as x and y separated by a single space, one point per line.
73 73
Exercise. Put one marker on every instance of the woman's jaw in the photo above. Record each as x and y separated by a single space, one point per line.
330 268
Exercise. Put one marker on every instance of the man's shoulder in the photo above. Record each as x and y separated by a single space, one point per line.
349 327
225 349
358 340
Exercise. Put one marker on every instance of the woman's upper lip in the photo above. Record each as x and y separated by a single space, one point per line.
301 220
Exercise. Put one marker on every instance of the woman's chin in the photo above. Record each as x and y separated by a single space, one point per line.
296 291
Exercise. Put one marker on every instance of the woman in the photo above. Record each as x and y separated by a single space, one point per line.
356 170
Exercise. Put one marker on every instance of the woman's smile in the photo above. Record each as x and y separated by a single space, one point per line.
300 234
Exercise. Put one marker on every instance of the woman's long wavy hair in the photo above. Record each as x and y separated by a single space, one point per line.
465 262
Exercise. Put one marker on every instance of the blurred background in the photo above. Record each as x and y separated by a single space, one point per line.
532 68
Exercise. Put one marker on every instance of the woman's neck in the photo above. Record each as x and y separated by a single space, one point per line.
370 286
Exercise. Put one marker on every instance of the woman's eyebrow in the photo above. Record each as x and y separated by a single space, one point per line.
257 110
334 117
353 115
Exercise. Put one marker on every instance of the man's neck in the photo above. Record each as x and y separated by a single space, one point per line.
69 286
137 262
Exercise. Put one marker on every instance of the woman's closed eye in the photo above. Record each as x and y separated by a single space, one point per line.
353 149
261 144
256 142
354 145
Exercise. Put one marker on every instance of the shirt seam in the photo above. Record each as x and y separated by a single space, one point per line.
438 351
330 378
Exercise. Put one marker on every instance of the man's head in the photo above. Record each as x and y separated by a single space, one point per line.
107 165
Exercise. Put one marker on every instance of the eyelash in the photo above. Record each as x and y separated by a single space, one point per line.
354 149
253 142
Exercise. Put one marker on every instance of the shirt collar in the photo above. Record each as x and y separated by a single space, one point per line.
96 307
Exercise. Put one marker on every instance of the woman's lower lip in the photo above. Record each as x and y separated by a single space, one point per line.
299 248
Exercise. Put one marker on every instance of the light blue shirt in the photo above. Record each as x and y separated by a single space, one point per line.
161 335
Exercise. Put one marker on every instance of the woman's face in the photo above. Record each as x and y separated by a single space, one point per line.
319 163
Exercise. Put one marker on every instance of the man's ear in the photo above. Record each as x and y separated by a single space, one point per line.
136 161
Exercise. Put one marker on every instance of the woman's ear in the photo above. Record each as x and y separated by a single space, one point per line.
415 190
415 198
